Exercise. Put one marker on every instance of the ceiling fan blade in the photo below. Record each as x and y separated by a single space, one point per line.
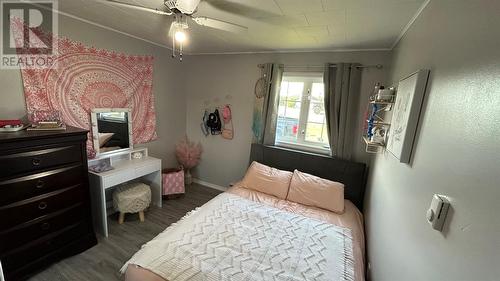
220 24
135 7
240 9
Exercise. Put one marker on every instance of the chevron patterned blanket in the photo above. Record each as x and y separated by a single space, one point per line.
232 238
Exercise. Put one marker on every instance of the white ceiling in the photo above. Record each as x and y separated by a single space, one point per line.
273 25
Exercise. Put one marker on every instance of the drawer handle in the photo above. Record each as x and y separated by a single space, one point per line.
42 205
45 226
40 184
36 161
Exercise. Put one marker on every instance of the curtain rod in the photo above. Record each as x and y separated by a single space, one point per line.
377 66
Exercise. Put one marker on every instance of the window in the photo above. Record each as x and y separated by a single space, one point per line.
301 113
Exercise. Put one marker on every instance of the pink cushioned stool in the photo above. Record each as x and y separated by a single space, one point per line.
173 182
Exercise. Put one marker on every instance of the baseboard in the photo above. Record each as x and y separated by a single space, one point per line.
211 185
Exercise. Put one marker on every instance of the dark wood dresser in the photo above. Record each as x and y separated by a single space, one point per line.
44 199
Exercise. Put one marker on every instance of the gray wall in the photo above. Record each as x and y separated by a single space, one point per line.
457 153
214 77
167 83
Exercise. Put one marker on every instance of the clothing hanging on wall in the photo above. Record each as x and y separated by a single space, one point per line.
203 125
214 123
228 129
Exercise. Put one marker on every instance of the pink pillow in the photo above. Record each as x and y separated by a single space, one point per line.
267 180
314 191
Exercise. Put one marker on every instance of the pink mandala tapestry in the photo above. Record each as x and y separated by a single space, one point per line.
81 78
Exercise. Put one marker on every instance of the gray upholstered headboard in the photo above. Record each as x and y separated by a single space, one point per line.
351 174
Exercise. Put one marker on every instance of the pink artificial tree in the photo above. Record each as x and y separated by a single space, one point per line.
189 155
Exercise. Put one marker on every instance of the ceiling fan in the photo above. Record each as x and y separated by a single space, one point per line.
182 10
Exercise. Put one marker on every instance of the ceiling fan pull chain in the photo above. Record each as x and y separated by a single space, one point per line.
173 47
180 51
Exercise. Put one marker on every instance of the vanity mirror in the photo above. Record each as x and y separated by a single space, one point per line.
111 130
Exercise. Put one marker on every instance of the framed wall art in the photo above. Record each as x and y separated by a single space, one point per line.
409 98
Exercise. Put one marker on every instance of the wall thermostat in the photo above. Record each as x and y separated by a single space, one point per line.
436 214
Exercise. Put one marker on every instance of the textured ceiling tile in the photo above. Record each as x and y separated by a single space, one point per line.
326 18
267 5
299 6
312 30
287 20
247 8
337 31
272 24
347 4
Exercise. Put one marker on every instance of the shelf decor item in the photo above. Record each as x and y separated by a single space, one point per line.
7 126
46 120
189 155
40 116
410 95
376 127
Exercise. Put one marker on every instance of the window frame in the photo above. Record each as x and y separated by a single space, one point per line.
308 78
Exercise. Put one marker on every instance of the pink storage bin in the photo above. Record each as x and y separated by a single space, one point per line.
173 181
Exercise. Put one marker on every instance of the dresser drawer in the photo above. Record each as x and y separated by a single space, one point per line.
21 188
38 158
26 210
43 246
38 228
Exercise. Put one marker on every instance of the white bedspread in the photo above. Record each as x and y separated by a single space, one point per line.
232 238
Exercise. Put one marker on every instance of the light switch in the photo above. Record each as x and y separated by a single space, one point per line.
436 214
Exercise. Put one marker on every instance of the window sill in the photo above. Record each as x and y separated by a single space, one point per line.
304 148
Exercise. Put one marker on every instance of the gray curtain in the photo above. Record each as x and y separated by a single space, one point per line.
266 108
342 84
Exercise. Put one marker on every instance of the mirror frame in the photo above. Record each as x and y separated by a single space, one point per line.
95 130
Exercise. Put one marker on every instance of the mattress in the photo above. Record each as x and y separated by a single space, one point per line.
351 219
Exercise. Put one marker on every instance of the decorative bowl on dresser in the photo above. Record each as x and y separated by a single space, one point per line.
45 210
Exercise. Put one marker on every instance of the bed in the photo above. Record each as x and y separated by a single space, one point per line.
244 234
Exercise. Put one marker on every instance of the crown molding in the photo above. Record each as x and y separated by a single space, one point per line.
292 51
410 23
111 29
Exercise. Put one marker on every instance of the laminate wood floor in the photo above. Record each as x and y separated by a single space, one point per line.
103 261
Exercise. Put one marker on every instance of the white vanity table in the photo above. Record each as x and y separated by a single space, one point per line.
147 170
126 167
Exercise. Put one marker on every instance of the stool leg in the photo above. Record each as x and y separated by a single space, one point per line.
141 216
121 218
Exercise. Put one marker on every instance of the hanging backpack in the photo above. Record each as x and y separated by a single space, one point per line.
214 123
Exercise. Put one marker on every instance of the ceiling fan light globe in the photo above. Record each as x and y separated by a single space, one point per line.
180 36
